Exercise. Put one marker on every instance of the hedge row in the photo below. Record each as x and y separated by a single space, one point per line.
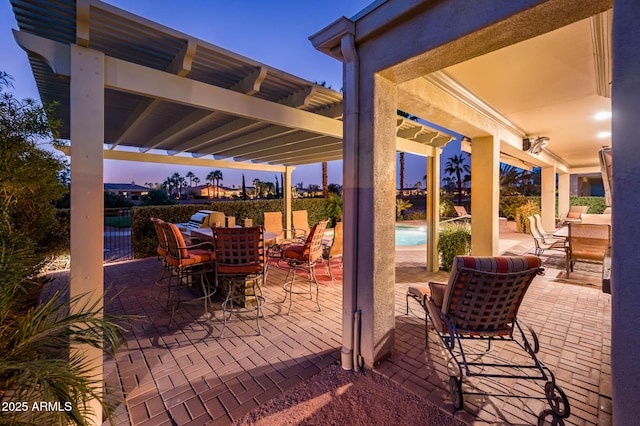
510 204
144 238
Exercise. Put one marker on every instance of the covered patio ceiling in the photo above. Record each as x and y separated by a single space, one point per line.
187 101
556 85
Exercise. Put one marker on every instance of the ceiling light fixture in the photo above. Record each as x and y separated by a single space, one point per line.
535 146
602 115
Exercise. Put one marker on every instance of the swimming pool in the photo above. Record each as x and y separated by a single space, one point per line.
405 235
410 236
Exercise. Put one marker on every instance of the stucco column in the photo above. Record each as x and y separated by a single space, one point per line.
87 187
376 199
485 196
564 185
286 185
548 197
433 210
625 292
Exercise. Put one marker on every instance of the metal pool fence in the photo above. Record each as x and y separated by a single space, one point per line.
117 235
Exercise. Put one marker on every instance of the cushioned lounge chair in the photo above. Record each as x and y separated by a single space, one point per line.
574 215
480 302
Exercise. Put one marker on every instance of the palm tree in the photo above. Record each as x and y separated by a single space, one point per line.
190 176
325 180
210 177
217 175
510 179
196 180
456 166
257 187
181 183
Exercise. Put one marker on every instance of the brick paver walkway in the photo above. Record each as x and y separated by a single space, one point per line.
185 375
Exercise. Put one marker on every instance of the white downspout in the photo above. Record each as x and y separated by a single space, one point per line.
350 318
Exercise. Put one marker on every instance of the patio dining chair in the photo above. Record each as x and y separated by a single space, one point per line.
543 243
241 267
301 226
538 222
189 263
335 249
162 250
480 303
304 256
273 223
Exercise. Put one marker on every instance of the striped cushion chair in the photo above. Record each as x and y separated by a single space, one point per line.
480 304
483 293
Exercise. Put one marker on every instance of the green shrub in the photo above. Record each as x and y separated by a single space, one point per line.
596 204
509 204
416 215
446 205
454 239
402 205
522 214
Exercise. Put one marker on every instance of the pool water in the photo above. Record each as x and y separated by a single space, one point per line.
405 235
410 236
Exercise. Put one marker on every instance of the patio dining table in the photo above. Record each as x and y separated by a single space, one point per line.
562 232
206 234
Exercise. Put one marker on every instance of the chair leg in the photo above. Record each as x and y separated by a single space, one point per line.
312 273
288 285
330 269
407 300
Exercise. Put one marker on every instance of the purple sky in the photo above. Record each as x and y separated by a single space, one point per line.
274 32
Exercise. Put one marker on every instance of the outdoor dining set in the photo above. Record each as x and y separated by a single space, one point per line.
230 263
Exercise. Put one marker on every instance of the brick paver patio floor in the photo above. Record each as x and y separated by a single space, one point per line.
185 375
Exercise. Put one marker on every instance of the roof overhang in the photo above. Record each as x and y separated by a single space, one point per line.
168 94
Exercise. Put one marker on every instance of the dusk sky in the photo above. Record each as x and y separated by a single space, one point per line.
273 32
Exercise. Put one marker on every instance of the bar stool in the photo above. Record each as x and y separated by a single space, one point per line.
188 262
241 265
304 256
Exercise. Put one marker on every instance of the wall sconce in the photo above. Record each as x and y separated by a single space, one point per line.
535 146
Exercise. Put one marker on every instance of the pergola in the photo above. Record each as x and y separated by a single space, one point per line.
131 89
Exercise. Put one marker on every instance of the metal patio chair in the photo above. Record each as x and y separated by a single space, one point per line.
480 303
305 256
544 243
188 263
241 265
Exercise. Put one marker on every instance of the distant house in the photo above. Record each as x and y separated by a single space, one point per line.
129 191
410 191
309 192
210 191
